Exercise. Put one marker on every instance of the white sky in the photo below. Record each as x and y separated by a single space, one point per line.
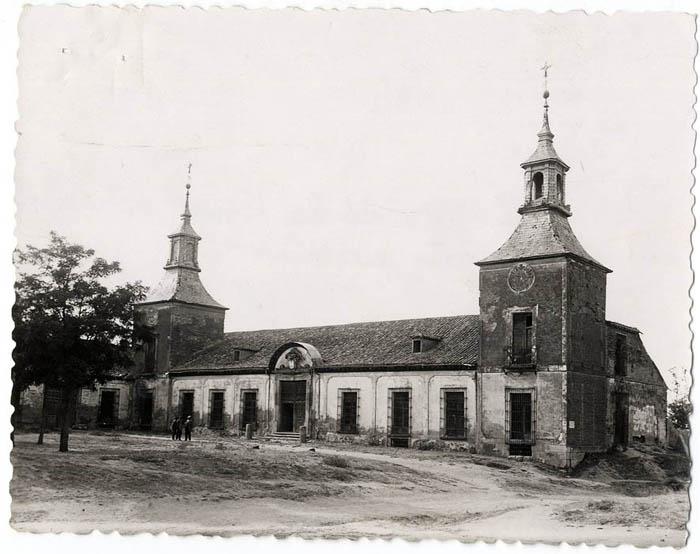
353 165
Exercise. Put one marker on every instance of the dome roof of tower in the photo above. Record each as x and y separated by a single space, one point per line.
544 152
181 285
541 234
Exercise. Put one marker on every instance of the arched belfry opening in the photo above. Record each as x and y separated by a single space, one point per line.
560 189
538 182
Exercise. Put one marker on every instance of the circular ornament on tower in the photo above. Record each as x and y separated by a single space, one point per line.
521 277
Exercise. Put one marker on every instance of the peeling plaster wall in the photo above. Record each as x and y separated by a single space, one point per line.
88 404
643 387
373 401
373 391
550 400
232 386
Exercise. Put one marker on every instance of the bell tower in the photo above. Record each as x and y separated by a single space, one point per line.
545 172
543 334
178 316
184 242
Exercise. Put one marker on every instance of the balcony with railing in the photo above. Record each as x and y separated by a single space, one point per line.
523 359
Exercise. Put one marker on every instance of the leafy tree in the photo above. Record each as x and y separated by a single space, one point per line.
680 408
71 330
679 413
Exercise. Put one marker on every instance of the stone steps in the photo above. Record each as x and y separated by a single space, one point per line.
284 436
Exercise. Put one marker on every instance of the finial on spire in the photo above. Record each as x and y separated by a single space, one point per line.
545 123
187 213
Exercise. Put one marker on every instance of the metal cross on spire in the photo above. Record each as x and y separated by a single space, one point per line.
545 68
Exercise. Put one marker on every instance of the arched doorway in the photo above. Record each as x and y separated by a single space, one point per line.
291 367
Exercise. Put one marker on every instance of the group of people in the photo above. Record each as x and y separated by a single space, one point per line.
176 427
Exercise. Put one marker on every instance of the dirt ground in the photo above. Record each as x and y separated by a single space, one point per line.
139 483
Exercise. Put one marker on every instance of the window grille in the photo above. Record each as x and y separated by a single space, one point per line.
249 409
348 410
216 409
455 417
521 416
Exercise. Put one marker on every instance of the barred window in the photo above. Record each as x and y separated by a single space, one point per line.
348 412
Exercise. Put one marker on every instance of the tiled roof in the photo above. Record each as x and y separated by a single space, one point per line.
541 233
623 327
185 228
378 343
181 285
544 151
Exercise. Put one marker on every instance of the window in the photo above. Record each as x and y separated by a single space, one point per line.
146 410
399 417
538 180
236 355
249 409
454 406
108 408
417 346
522 339
520 421
149 346
186 404
620 355
216 409
348 411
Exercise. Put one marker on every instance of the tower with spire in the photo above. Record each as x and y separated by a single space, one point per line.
178 316
542 315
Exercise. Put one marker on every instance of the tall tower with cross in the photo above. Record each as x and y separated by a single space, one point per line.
178 316
544 171
543 331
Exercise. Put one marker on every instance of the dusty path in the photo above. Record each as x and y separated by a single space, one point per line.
407 494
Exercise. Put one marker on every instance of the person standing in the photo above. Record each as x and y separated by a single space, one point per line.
175 428
188 428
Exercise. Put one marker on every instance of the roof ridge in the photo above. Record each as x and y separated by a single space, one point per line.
228 333
352 344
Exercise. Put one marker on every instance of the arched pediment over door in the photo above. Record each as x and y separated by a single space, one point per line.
295 357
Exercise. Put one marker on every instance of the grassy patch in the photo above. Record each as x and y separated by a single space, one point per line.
336 461
147 467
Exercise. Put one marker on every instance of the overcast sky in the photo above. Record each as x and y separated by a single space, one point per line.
351 166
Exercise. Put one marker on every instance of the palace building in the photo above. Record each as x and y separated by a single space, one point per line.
539 371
